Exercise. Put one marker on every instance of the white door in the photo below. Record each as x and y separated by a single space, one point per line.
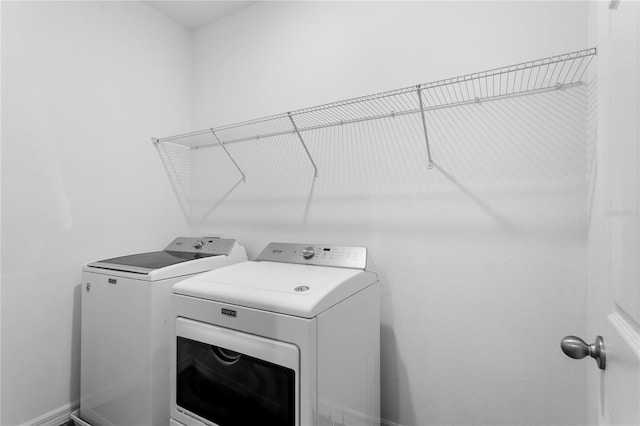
620 325
614 274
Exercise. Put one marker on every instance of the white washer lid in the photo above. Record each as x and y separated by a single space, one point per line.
184 256
278 287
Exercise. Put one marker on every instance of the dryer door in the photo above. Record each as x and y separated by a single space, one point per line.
226 378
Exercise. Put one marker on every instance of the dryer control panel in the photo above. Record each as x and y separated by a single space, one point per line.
205 245
315 254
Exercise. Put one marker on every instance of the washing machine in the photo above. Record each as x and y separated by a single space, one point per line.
290 339
126 329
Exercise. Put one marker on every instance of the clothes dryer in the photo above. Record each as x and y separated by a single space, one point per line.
126 329
290 339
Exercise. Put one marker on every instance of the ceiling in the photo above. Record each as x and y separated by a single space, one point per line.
195 14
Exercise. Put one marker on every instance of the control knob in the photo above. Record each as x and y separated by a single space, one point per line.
198 245
308 252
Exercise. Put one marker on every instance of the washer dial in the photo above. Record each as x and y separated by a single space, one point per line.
308 252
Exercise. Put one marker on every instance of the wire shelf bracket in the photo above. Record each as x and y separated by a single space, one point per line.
295 128
527 78
424 126
244 178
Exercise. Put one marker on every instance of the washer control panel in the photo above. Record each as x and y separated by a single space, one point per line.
315 254
205 245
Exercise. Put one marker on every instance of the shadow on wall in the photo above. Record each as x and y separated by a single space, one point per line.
219 201
177 163
74 392
394 382
500 219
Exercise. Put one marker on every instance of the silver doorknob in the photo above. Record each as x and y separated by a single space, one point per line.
577 348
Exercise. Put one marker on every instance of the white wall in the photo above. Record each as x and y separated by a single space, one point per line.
85 84
482 260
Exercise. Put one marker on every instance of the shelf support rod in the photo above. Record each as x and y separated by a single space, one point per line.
424 125
315 168
244 179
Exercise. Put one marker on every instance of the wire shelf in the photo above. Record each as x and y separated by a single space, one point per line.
554 72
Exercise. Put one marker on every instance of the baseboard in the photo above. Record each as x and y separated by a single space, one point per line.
55 417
